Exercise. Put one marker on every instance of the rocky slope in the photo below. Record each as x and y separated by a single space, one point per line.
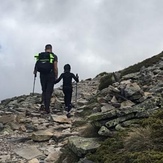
26 135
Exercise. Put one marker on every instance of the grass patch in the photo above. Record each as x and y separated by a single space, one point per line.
107 78
106 81
138 140
101 74
67 156
147 62
139 145
87 110
89 131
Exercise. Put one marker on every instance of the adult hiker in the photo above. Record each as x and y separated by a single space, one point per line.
46 64
67 77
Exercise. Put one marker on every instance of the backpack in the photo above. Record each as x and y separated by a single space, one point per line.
45 62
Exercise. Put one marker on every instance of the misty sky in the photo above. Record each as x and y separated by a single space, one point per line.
93 36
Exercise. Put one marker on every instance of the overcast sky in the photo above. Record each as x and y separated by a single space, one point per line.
93 36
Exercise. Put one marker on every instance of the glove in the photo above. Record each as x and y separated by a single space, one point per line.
35 73
77 76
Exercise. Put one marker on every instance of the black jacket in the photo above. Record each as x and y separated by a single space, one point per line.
67 79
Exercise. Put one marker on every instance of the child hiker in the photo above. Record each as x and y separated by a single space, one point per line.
67 77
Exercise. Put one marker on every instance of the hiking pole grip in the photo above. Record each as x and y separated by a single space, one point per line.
35 75
76 90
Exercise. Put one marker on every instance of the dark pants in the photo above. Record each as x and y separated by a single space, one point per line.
67 97
47 84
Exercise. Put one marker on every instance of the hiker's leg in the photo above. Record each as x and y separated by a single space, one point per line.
43 81
69 99
66 100
65 96
49 91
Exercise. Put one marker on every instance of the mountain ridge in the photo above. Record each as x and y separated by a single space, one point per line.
106 125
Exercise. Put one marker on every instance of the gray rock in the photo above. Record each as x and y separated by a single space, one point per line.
119 128
7 118
53 156
105 131
35 160
5 158
61 119
115 122
107 107
81 146
1 126
101 116
127 104
40 136
28 152
131 89
130 76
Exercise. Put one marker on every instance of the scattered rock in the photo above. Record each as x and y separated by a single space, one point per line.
81 146
28 153
40 136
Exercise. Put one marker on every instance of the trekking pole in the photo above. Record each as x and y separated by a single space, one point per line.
34 83
76 92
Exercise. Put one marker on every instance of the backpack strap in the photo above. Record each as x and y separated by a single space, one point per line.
51 58
37 57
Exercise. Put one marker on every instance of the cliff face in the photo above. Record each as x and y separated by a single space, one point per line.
125 100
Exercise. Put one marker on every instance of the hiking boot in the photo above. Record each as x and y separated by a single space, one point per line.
47 111
42 108
69 108
68 115
72 105
66 108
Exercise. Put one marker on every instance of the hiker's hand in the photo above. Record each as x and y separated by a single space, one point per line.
56 77
35 73
77 76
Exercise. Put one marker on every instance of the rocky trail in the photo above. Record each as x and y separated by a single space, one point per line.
28 136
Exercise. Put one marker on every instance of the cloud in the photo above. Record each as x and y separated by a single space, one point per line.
92 36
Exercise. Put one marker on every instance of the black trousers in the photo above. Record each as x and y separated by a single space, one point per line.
47 84
67 97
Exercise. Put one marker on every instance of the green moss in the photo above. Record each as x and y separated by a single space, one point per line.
108 151
142 145
113 153
144 157
156 124
106 81
87 110
79 123
139 139
155 118
68 155
92 100
102 74
90 131
136 67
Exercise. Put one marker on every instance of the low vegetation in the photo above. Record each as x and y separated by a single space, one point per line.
67 156
105 81
140 145
107 78
146 63
102 74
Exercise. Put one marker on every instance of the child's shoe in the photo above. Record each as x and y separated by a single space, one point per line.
42 108
66 108
69 107
68 115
